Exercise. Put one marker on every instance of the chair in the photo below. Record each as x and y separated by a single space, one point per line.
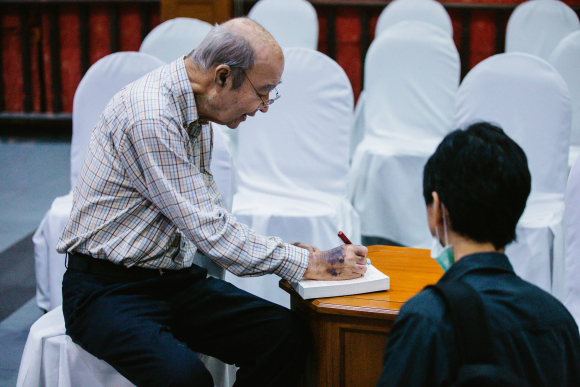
293 163
174 38
537 26
409 108
293 23
103 80
428 11
51 358
566 59
527 97
571 297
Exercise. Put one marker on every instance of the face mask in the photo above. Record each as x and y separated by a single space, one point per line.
443 255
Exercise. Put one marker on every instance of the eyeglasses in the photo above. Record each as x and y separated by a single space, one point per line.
264 103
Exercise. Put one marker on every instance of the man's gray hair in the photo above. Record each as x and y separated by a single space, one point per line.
222 46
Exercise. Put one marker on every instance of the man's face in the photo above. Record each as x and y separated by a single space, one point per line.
233 106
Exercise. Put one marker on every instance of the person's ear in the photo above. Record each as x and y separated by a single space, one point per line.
437 210
222 72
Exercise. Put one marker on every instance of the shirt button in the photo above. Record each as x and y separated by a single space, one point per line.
184 125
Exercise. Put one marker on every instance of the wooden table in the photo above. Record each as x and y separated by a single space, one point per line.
350 332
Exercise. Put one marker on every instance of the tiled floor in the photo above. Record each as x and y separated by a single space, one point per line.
32 174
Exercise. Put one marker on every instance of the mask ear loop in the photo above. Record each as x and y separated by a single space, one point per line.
444 225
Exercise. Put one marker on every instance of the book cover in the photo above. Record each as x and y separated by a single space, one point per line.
372 281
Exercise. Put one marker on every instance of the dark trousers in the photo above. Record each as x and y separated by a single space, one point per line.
150 330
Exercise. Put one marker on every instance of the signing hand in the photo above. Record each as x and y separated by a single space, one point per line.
342 262
310 248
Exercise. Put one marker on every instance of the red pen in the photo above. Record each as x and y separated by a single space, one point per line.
344 238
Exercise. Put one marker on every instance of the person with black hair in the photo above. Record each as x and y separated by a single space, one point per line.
475 187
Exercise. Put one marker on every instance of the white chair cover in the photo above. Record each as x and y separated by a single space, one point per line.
101 82
408 109
51 358
428 11
537 26
566 59
293 23
174 38
527 97
293 163
49 264
358 128
572 250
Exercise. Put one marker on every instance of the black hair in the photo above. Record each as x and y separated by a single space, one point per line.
482 178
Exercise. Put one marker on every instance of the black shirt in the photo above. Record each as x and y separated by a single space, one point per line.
534 334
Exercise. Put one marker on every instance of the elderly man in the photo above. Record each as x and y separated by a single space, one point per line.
146 202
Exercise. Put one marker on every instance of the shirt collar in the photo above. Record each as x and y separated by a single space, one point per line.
184 94
479 261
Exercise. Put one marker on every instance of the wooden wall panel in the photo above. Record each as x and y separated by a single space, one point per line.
130 21
70 70
12 60
478 36
99 32
211 11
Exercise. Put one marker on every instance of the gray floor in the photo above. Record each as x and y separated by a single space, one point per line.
32 174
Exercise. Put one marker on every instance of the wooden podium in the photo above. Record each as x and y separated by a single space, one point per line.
211 11
350 332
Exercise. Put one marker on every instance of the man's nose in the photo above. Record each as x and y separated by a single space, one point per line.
264 109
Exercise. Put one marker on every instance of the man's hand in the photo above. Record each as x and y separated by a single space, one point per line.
310 248
342 262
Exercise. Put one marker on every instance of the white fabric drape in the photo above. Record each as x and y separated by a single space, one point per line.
411 78
101 82
51 358
537 26
49 264
571 297
293 163
428 11
293 23
527 97
174 38
566 59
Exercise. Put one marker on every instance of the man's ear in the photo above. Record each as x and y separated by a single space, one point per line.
437 210
222 72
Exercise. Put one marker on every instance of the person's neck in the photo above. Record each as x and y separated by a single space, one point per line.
463 247
199 82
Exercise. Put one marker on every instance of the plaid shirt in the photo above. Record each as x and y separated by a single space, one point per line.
146 196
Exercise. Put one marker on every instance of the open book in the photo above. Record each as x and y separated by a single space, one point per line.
372 281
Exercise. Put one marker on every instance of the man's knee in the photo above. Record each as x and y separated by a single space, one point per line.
187 376
291 331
